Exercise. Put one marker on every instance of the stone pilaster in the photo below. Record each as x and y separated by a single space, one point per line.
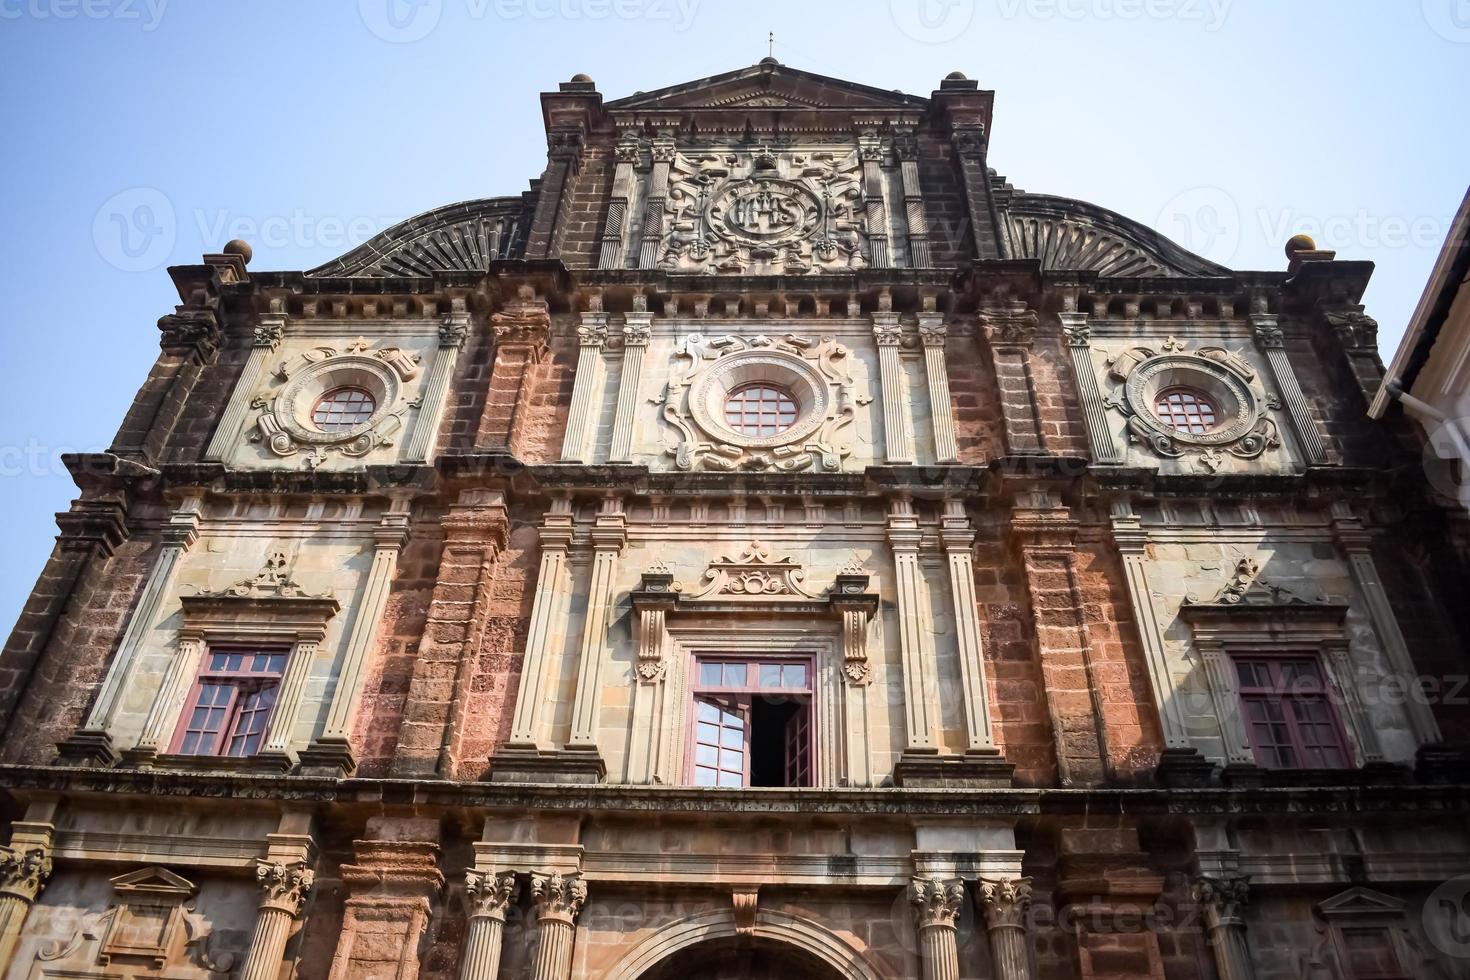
331 752
489 896
522 330
391 886
1221 900
1354 541
625 179
904 536
1046 535
898 441
591 338
269 330
1003 903
453 331
941 404
937 905
1357 334
651 603
563 159
637 331
905 148
547 632
654 200
958 539
559 898
163 715
870 148
25 866
1099 434
609 537
93 741
1270 340
475 531
1010 333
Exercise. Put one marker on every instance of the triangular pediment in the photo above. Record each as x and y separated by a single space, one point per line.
769 86
1361 901
152 881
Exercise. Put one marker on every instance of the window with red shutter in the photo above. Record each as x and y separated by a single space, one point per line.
1289 715
231 702
752 722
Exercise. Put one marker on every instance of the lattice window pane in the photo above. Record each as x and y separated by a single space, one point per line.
207 718
760 410
1186 410
343 408
721 745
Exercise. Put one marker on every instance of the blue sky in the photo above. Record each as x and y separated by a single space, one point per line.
141 133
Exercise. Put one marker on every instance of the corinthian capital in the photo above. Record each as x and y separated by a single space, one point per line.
937 901
1221 897
557 895
1009 326
285 885
490 894
23 873
1004 900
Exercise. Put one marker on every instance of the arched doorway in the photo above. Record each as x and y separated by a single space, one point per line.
731 958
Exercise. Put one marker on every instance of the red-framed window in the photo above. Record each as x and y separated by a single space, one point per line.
1289 715
1188 410
760 409
231 701
752 720
1368 953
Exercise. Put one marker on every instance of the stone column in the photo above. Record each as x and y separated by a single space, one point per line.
269 330
1340 671
180 534
1003 902
286 887
453 330
489 896
1221 900
282 724
875 218
1354 540
558 899
654 200
637 330
1010 333
591 337
937 903
1099 435
959 541
898 443
563 159
904 536
609 536
330 750
624 179
548 623
968 144
1269 339
24 867
941 403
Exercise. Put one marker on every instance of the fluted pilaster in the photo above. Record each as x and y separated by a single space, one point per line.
1003 902
23 874
937 904
285 888
1221 899
489 896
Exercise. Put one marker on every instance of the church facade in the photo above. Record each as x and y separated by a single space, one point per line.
773 545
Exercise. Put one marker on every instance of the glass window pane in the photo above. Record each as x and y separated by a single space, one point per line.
708 712
705 777
731 779
770 675
709 734
793 676
732 738
734 675
706 755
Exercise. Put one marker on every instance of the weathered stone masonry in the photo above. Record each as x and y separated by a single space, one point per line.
772 545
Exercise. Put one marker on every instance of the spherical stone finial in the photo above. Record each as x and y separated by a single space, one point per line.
769 61
956 76
241 248
1299 243
581 77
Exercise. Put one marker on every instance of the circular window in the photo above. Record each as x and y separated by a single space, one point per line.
760 409
343 408
1186 410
